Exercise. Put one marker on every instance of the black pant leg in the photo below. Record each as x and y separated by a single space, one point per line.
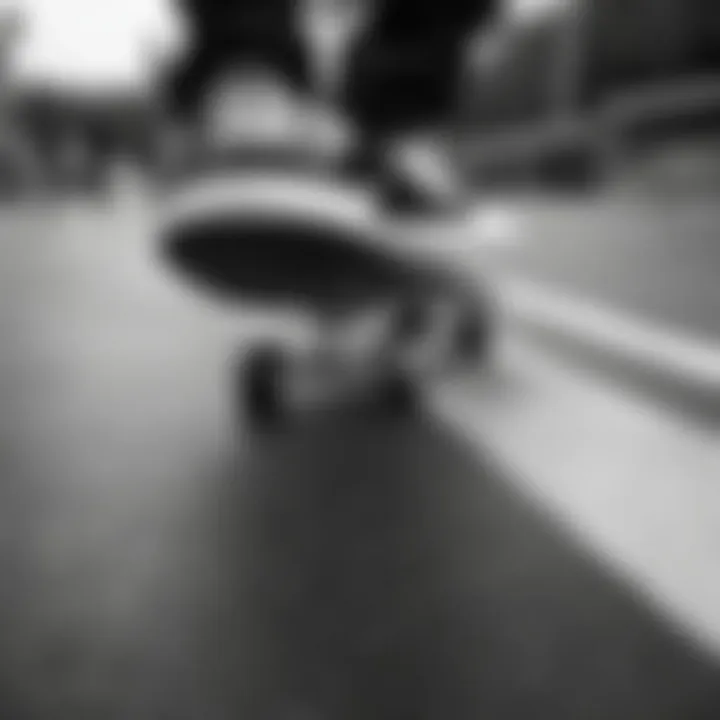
405 70
236 33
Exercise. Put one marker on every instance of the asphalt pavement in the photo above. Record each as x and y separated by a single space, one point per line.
162 562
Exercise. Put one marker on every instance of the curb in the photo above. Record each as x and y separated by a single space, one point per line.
674 366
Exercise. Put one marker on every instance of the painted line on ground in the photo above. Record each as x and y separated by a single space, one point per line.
681 355
632 484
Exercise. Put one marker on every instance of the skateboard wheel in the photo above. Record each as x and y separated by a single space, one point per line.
443 331
263 397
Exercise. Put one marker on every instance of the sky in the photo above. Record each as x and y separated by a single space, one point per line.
92 43
100 43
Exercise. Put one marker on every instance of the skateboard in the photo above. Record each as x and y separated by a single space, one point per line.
386 323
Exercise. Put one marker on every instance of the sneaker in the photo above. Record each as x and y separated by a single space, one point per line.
251 108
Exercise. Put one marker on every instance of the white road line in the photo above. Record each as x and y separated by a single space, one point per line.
633 484
678 354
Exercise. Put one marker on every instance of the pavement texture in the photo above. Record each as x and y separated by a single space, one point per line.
162 563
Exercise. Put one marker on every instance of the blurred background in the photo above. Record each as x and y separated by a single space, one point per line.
545 546
562 95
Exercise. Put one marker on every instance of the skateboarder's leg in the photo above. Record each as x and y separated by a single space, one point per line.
404 85
235 34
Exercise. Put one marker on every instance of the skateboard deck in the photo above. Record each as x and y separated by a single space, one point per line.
273 239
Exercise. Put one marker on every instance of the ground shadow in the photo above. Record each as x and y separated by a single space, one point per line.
385 570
